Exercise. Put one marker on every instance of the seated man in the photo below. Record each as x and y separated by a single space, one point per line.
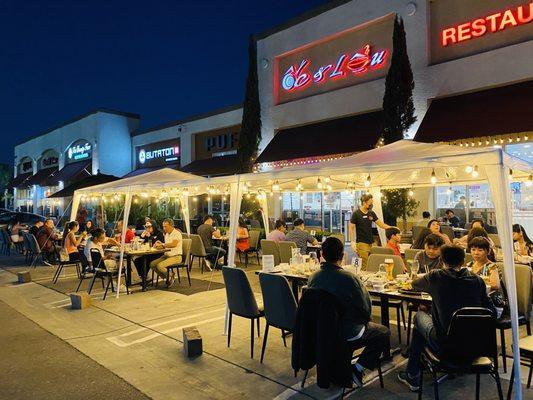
394 237
130 235
34 230
96 241
352 294
429 258
452 219
278 234
173 242
206 231
45 238
452 288
426 217
300 236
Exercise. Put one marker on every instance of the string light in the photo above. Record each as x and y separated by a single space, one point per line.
367 181
164 194
328 187
411 192
299 186
275 187
195 199
248 195
185 191
136 200
319 185
449 191
280 197
208 198
433 178
469 169
223 198
328 179
529 181
510 174
475 172
144 194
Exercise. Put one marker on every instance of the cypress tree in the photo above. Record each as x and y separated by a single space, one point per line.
250 134
398 108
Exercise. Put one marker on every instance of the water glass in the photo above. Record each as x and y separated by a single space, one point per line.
415 266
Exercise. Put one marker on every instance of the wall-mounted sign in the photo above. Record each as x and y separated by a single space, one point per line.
81 150
347 58
461 28
158 154
216 142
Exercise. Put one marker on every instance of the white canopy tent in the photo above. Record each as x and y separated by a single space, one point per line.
403 164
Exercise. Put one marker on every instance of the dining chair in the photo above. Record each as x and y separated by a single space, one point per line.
448 231
35 250
495 239
241 301
523 297
285 251
270 247
101 271
254 235
465 353
525 346
86 270
410 254
280 306
197 251
63 264
381 250
374 260
416 231
185 259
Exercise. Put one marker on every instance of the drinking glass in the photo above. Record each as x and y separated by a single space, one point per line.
414 268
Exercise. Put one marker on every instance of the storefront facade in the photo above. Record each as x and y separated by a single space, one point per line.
98 141
321 85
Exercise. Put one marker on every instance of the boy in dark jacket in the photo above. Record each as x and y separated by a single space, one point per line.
351 293
451 288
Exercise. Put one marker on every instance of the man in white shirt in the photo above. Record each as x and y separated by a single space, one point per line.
173 242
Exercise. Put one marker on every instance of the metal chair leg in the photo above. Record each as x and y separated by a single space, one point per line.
477 386
399 325
380 374
229 328
511 383
264 343
496 377
304 379
188 275
252 338
283 336
258 327
504 353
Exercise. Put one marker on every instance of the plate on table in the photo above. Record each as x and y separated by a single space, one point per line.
410 291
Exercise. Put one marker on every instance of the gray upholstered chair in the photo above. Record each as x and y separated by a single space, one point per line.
254 235
198 251
270 247
495 239
285 250
280 306
416 231
241 301
410 254
381 250
448 231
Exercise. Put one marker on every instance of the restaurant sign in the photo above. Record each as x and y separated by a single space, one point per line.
158 154
347 58
218 142
482 26
79 151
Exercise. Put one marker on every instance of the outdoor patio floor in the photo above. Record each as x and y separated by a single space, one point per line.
139 338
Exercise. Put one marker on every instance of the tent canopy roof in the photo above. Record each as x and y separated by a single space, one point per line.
401 164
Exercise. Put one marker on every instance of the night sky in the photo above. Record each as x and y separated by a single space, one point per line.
163 59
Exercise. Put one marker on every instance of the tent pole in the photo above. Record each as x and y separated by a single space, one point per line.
378 209
127 207
75 205
500 193
184 200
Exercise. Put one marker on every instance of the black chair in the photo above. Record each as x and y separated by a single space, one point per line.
101 271
63 264
279 304
35 250
6 242
27 248
186 249
86 271
465 353
241 301
526 354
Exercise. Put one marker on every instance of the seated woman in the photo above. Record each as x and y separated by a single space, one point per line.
434 227
523 245
151 233
70 243
481 265
16 236
88 226
418 242
243 237
480 232
463 241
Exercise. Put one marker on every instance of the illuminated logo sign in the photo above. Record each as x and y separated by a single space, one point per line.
218 142
159 154
348 58
460 28
360 62
79 152
492 23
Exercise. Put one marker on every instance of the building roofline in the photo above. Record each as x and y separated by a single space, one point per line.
188 119
301 18
79 117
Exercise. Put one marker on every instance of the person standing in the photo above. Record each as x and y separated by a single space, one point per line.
361 226
173 242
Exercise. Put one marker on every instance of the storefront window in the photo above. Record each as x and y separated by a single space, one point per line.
451 197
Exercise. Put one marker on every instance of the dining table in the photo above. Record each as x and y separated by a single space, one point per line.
129 254
297 280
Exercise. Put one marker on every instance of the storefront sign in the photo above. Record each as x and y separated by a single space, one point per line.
79 151
345 59
158 154
461 28
217 142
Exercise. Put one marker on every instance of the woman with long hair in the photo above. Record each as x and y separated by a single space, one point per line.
418 242
243 237
70 243
434 227
522 243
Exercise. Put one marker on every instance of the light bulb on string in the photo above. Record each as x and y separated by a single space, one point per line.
529 181
328 187
299 185
195 199
510 174
469 169
433 178
271 194
164 194
223 198
280 197
367 181
248 195
475 172
449 191
411 192
136 200
144 194
157 201
275 187
319 184
328 179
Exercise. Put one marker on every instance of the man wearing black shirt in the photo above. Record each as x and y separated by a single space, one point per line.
357 328
35 228
452 219
451 288
206 231
361 225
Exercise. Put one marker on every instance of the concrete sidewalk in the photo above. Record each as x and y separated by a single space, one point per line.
139 338
36 364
